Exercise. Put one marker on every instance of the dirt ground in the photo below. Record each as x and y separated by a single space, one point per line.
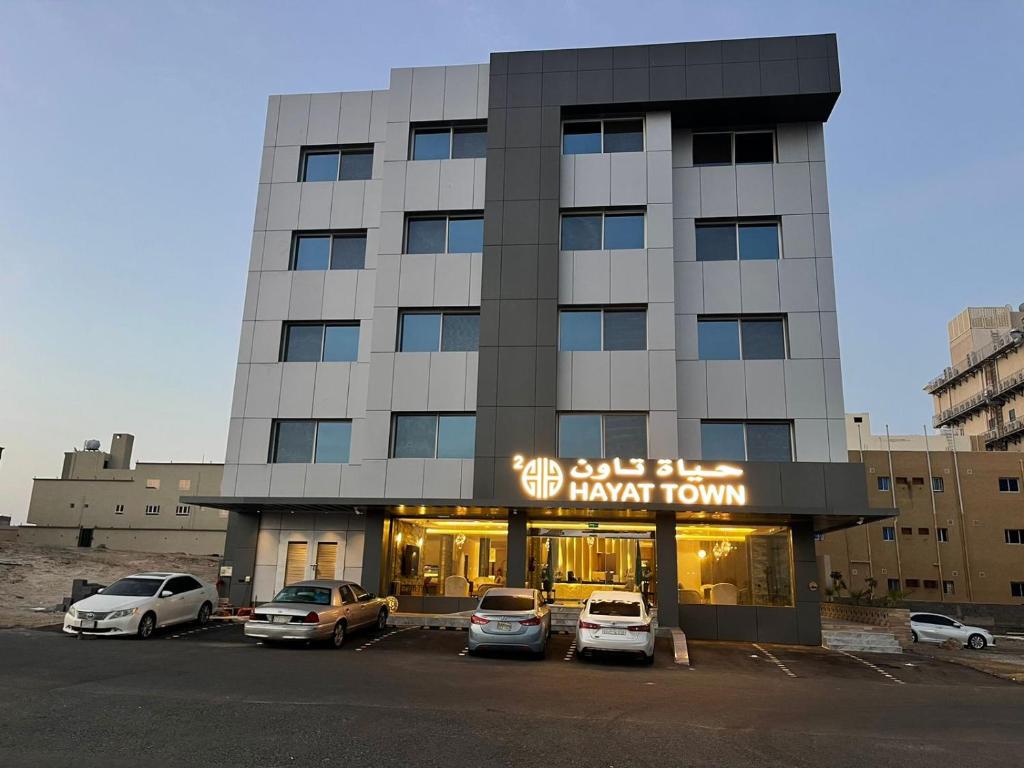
1005 660
40 577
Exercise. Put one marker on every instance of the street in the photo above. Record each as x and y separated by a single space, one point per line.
413 697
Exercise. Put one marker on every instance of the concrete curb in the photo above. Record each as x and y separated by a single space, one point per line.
680 650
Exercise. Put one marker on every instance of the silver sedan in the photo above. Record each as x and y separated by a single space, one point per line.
513 619
317 610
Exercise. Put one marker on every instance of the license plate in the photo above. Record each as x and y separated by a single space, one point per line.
88 625
614 632
504 626
282 619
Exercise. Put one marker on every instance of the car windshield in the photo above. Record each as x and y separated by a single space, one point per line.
134 587
614 608
315 595
506 603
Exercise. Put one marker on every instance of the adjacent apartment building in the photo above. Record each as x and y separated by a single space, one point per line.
101 500
565 319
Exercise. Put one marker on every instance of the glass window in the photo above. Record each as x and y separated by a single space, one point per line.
421 332
470 141
888 533
763 339
320 166
426 235
356 164
755 147
348 252
303 343
579 331
341 343
456 437
466 235
579 435
625 435
712 149
942 534
722 441
581 138
347 598
759 242
892 585
310 595
746 565
883 483
293 442
769 442
415 437
938 484
718 340
505 603
624 136
625 329
431 144
623 231
716 242
358 591
581 233
332 442
1017 589
460 332
614 608
1009 485
312 252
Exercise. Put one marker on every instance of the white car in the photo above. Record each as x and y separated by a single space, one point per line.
137 605
936 628
618 622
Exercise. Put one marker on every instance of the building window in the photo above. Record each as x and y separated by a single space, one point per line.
1014 535
319 342
602 230
1009 485
443 142
912 583
433 436
337 164
892 585
1017 589
184 485
938 484
444 234
884 483
183 510
931 584
743 240
888 533
750 565
948 588
119 509
329 250
152 509
596 136
439 332
308 441
923 531
819 536
725 148
731 338
747 440
594 330
942 534
906 531
1012 415
597 435
153 484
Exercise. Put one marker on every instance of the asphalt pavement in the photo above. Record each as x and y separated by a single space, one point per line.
413 697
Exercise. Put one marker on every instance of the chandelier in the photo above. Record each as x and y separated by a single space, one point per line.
722 549
460 539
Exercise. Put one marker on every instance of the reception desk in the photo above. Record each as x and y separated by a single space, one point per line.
568 591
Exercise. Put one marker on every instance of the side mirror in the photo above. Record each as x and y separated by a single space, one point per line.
166 593
99 590
958 626
371 595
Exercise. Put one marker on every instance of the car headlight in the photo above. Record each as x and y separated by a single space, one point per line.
72 612
122 613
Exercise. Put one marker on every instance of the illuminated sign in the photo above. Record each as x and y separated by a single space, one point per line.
638 481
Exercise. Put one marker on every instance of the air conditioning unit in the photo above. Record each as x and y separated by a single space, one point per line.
956 573
853 571
884 571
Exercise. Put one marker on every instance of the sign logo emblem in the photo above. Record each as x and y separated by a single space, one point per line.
541 478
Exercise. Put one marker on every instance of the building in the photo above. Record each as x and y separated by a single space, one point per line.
959 536
461 284
981 393
100 500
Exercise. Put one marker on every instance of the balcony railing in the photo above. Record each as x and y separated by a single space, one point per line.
1005 431
977 402
972 361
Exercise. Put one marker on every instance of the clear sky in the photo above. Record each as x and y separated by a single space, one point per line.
131 135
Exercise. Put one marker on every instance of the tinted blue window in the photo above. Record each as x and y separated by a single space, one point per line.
321 166
718 340
431 144
722 441
456 437
466 235
769 442
332 442
341 343
415 437
716 243
581 233
625 329
625 435
425 236
469 142
579 436
888 533
759 242
763 340
349 252
460 333
356 164
581 138
303 343
312 252
293 443
624 136
420 333
579 331
624 231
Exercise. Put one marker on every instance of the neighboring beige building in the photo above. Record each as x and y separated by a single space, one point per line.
981 393
99 500
959 536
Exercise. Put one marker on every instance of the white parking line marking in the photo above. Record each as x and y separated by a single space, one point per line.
464 651
570 652
370 643
775 661
877 669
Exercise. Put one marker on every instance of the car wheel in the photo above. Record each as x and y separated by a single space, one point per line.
338 635
648 660
913 635
976 641
146 626
382 620
204 614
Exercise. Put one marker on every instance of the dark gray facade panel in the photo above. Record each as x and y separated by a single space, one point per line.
516 548
373 551
240 555
667 560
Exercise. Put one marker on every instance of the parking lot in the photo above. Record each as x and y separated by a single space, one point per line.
413 696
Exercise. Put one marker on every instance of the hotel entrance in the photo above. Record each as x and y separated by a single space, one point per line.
567 562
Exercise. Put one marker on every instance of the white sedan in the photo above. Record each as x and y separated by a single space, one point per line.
936 628
137 605
618 622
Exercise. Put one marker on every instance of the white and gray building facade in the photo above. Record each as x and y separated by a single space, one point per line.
614 253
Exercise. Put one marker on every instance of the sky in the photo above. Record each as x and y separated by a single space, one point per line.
131 136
